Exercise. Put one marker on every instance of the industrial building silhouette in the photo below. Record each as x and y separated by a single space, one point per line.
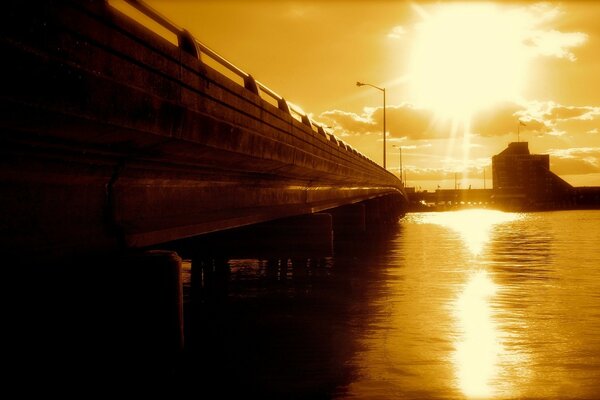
522 180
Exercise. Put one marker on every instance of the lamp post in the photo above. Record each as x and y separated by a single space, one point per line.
383 90
400 164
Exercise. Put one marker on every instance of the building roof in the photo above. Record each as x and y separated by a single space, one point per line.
515 148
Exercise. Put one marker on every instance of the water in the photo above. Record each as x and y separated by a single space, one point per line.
458 305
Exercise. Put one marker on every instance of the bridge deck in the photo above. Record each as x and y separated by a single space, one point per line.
113 137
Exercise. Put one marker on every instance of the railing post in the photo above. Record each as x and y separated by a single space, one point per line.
306 120
187 43
250 84
283 105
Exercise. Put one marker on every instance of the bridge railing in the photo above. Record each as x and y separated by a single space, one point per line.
197 49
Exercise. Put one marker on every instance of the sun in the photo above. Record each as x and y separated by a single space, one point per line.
468 56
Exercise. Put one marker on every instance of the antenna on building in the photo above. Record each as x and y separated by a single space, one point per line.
519 130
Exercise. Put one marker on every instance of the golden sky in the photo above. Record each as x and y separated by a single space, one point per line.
458 76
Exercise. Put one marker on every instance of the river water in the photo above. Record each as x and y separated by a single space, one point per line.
468 304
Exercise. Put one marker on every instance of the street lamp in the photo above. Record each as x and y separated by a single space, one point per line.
400 149
383 90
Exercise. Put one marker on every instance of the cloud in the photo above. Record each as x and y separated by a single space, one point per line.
556 44
550 42
504 118
406 120
497 121
573 166
401 121
561 119
575 161
540 118
568 112
397 32
443 173
427 174
349 122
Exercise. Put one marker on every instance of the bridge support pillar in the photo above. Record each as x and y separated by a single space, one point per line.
152 307
349 221
301 236
381 213
308 235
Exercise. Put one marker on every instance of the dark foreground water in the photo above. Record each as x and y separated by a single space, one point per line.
456 305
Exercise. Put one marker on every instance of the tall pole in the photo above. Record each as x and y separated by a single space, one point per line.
400 162
383 90
519 123
399 159
484 178
384 129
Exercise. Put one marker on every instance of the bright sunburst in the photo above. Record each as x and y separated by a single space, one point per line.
468 56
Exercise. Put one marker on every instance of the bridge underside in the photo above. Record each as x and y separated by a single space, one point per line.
111 138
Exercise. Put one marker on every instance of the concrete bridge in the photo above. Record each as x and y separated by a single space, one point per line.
114 138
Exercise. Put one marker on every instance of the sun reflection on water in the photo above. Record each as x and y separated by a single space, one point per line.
478 347
478 339
474 226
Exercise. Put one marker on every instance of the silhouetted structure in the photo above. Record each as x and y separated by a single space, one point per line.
588 196
449 199
524 181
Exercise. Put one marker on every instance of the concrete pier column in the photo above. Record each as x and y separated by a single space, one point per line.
197 279
308 235
374 215
154 304
382 213
302 236
349 221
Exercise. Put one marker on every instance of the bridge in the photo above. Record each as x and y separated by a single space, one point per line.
120 152
115 138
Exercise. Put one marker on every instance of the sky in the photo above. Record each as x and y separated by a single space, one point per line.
462 79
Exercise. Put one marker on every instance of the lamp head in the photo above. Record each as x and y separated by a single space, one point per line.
359 84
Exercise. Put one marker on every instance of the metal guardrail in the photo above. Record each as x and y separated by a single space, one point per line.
190 45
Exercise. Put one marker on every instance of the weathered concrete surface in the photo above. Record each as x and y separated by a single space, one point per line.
112 138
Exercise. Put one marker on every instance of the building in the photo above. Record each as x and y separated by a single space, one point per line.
524 181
